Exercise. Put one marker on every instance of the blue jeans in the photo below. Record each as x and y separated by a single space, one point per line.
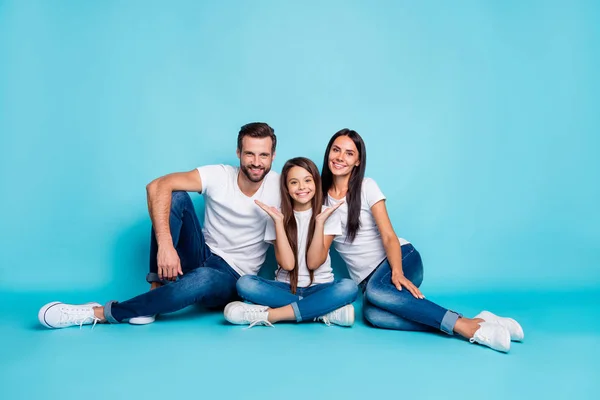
308 303
387 307
207 278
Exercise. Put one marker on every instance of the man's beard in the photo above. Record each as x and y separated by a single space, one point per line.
245 170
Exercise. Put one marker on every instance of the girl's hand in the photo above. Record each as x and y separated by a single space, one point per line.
399 280
273 212
322 217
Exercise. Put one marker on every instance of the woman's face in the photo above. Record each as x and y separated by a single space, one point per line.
343 156
300 186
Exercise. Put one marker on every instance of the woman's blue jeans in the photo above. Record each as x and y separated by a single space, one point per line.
387 307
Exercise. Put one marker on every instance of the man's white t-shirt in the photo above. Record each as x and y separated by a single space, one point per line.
366 252
233 224
323 274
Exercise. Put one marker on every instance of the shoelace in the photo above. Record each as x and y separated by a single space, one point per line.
76 317
260 322
482 338
325 320
257 318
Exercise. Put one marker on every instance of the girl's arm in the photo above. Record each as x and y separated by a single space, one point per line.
319 247
283 251
320 244
392 248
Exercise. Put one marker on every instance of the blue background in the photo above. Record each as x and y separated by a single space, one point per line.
480 118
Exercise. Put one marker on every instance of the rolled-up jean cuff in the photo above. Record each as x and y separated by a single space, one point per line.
108 312
296 312
449 321
152 277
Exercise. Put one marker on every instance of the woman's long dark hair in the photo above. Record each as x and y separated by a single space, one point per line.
289 220
354 185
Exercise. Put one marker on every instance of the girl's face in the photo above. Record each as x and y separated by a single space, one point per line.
301 187
343 156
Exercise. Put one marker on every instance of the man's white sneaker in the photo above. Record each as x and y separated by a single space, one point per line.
142 320
492 335
61 315
241 313
515 330
343 316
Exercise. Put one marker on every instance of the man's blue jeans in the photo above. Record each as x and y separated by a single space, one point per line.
308 303
207 279
386 307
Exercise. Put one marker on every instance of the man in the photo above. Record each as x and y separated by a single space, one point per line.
200 265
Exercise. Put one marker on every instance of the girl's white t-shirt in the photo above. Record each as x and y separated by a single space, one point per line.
233 224
366 252
323 274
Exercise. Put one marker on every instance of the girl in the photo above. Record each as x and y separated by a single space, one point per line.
302 232
388 269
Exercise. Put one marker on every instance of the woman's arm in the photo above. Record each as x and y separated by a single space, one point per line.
393 251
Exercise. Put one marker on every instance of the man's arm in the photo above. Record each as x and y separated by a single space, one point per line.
159 193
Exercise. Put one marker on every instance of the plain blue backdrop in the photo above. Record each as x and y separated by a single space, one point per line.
481 121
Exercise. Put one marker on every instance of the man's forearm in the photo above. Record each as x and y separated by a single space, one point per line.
159 205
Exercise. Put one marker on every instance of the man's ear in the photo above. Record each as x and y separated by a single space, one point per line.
274 153
237 152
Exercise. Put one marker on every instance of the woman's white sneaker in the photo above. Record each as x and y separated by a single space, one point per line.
343 316
514 328
492 335
61 315
241 313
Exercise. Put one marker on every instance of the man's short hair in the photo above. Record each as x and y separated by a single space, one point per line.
257 130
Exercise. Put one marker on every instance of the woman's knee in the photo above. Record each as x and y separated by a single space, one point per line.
412 266
386 296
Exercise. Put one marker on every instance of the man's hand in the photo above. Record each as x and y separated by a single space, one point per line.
399 280
169 265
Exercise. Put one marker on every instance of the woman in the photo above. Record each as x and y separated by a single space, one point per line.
388 269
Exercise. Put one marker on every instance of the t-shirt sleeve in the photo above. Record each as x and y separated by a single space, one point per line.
270 231
211 176
372 192
333 225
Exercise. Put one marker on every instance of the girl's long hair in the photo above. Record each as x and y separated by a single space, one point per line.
354 185
287 209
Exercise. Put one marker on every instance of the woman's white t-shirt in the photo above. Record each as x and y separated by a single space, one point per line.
323 274
366 252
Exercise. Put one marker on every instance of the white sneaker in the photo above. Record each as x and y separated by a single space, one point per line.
61 315
148 319
241 313
343 316
492 335
516 331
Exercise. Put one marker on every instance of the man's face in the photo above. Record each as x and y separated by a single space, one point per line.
256 157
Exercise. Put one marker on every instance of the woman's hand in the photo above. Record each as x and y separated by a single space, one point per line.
273 212
399 280
322 217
